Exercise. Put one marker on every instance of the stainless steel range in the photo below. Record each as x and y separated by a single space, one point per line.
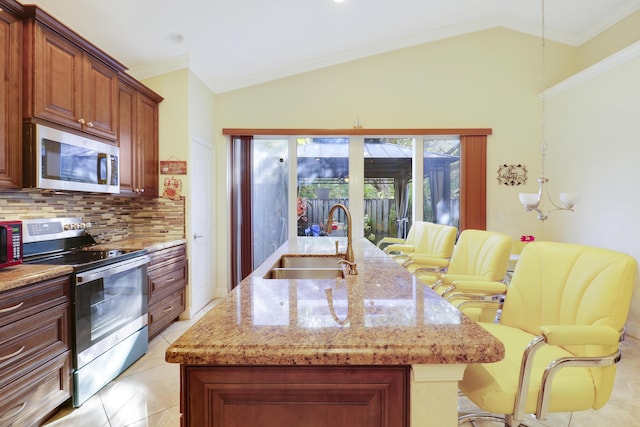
109 299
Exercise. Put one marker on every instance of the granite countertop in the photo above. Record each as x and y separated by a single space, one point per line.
26 274
150 243
382 316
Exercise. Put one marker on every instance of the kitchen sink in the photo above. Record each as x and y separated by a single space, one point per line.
304 273
308 261
306 267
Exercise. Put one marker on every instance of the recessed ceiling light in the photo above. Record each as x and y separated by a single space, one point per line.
338 1
175 37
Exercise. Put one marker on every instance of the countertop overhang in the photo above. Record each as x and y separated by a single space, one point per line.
382 316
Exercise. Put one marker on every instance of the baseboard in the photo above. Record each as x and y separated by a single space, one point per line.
633 329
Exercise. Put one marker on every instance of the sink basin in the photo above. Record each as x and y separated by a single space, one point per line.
304 273
308 261
306 267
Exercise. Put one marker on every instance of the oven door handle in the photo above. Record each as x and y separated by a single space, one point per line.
110 270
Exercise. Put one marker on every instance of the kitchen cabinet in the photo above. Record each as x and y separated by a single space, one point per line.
35 358
283 396
138 138
10 97
167 278
67 80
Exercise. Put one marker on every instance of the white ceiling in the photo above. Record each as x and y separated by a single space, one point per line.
237 43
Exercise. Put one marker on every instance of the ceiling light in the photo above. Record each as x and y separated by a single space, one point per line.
175 37
531 201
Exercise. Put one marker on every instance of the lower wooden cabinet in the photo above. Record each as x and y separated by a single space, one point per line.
168 278
35 354
295 396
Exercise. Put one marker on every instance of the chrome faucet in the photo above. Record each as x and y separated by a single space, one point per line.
350 258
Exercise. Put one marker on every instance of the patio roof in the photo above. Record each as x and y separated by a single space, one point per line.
382 160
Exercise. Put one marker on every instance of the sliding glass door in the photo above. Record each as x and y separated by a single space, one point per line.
323 181
283 186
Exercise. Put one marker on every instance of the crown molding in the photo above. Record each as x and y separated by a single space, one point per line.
611 62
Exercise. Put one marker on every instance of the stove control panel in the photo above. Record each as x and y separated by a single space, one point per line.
36 230
77 226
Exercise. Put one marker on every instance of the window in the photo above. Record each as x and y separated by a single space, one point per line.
452 178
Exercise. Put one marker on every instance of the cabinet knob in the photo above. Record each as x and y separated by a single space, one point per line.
90 124
81 121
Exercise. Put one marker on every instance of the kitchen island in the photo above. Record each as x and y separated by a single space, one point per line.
376 348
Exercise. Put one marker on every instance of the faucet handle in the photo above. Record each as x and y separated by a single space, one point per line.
351 266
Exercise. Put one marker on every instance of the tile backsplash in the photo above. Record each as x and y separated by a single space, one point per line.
112 217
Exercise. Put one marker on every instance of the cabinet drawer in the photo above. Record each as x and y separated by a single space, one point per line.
165 311
30 399
32 341
21 302
157 258
167 280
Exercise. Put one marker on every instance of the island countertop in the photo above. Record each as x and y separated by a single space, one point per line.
381 316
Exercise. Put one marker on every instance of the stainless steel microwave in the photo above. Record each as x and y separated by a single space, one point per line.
59 160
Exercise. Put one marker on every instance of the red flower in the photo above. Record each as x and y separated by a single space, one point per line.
527 239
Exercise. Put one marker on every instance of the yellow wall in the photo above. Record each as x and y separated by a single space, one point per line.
488 79
621 35
174 113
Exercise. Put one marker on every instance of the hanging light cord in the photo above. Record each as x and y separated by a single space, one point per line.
543 144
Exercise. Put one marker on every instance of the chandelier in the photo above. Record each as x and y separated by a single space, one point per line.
532 201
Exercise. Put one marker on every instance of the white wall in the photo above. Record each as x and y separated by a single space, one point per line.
594 148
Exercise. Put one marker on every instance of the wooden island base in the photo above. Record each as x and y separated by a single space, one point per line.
295 396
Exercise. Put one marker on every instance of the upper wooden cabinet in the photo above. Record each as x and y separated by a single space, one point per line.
138 138
67 80
10 98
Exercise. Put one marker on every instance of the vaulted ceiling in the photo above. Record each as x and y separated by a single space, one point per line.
237 43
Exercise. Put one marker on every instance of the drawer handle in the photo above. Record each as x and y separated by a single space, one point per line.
15 353
170 279
166 310
14 413
8 309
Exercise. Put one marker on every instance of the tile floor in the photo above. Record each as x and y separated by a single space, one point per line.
147 394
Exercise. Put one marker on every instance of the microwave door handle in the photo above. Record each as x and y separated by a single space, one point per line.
9 234
102 168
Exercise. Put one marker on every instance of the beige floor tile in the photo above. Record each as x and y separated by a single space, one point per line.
92 414
138 396
167 418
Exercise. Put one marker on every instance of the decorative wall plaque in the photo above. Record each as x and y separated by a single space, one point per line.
512 174
173 167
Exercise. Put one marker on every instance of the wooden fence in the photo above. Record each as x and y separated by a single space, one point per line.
381 214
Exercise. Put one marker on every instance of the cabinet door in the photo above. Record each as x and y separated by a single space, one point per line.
58 79
295 396
10 101
126 137
147 136
100 99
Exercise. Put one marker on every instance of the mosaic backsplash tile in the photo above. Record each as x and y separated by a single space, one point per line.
112 217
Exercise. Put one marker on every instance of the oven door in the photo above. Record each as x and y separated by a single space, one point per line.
110 305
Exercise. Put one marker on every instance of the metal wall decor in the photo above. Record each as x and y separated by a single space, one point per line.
512 174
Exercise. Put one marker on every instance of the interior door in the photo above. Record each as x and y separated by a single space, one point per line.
202 218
